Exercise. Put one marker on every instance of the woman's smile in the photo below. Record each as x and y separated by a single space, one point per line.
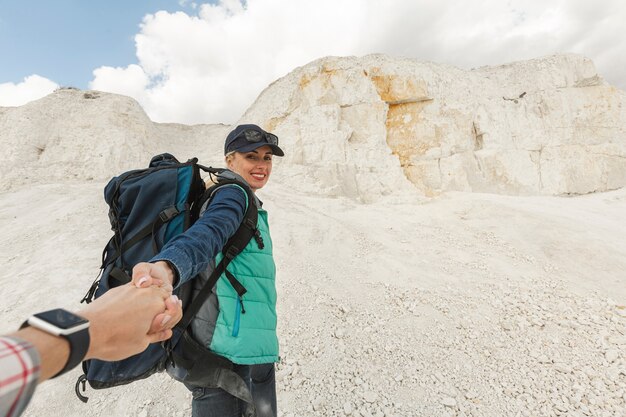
255 167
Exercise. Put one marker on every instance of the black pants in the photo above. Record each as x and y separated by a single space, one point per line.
215 402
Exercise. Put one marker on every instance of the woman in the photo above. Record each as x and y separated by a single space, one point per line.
253 345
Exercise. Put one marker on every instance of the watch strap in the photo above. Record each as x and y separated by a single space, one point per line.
79 345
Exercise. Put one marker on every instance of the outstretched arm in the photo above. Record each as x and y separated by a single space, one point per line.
123 322
120 325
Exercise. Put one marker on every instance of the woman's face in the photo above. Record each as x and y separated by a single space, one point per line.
255 167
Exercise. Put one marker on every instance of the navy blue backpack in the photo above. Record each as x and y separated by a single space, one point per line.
147 208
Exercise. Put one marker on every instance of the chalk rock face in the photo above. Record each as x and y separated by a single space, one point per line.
362 128
83 132
359 126
83 135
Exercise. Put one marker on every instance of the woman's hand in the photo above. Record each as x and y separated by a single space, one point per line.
159 274
146 274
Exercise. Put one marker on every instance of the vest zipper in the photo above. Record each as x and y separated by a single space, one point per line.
239 310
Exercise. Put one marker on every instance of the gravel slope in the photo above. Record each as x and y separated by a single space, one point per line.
465 305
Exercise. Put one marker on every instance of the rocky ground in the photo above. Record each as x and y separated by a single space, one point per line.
463 305
508 349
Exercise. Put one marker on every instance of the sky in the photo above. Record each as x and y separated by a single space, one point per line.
206 62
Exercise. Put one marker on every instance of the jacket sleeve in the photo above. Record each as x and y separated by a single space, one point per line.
19 372
191 252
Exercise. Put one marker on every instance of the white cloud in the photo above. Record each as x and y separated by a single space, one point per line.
185 3
209 67
131 81
32 88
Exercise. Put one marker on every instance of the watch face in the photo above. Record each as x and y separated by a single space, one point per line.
60 318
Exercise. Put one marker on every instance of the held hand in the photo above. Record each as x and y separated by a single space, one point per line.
121 321
168 319
146 274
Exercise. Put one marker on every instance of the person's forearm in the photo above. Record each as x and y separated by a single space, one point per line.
53 351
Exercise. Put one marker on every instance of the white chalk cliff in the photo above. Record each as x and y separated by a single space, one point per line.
545 126
86 135
360 127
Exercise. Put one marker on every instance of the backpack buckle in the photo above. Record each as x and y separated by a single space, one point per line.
167 214
231 252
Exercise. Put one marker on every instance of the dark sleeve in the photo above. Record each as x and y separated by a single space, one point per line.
191 252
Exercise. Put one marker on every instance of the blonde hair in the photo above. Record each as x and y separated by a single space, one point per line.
208 181
229 156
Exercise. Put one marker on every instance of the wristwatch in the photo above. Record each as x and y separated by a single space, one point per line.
62 323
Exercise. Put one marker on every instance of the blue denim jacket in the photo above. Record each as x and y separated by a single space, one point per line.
191 252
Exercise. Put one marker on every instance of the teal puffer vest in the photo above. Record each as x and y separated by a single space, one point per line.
242 329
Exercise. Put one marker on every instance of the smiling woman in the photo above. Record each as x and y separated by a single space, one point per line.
255 166
237 323
248 152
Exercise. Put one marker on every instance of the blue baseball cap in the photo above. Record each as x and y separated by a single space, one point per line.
246 138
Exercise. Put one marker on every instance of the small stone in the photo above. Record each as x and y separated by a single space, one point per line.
617 340
612 374
347 408
561 407
370 396
318 403
388 412
470 395
536 322
449 402
283 373
507 325
611 355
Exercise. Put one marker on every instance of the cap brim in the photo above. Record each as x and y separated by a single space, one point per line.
252 146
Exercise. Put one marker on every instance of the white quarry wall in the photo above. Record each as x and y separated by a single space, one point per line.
72 134
360 127
85 135
545 126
